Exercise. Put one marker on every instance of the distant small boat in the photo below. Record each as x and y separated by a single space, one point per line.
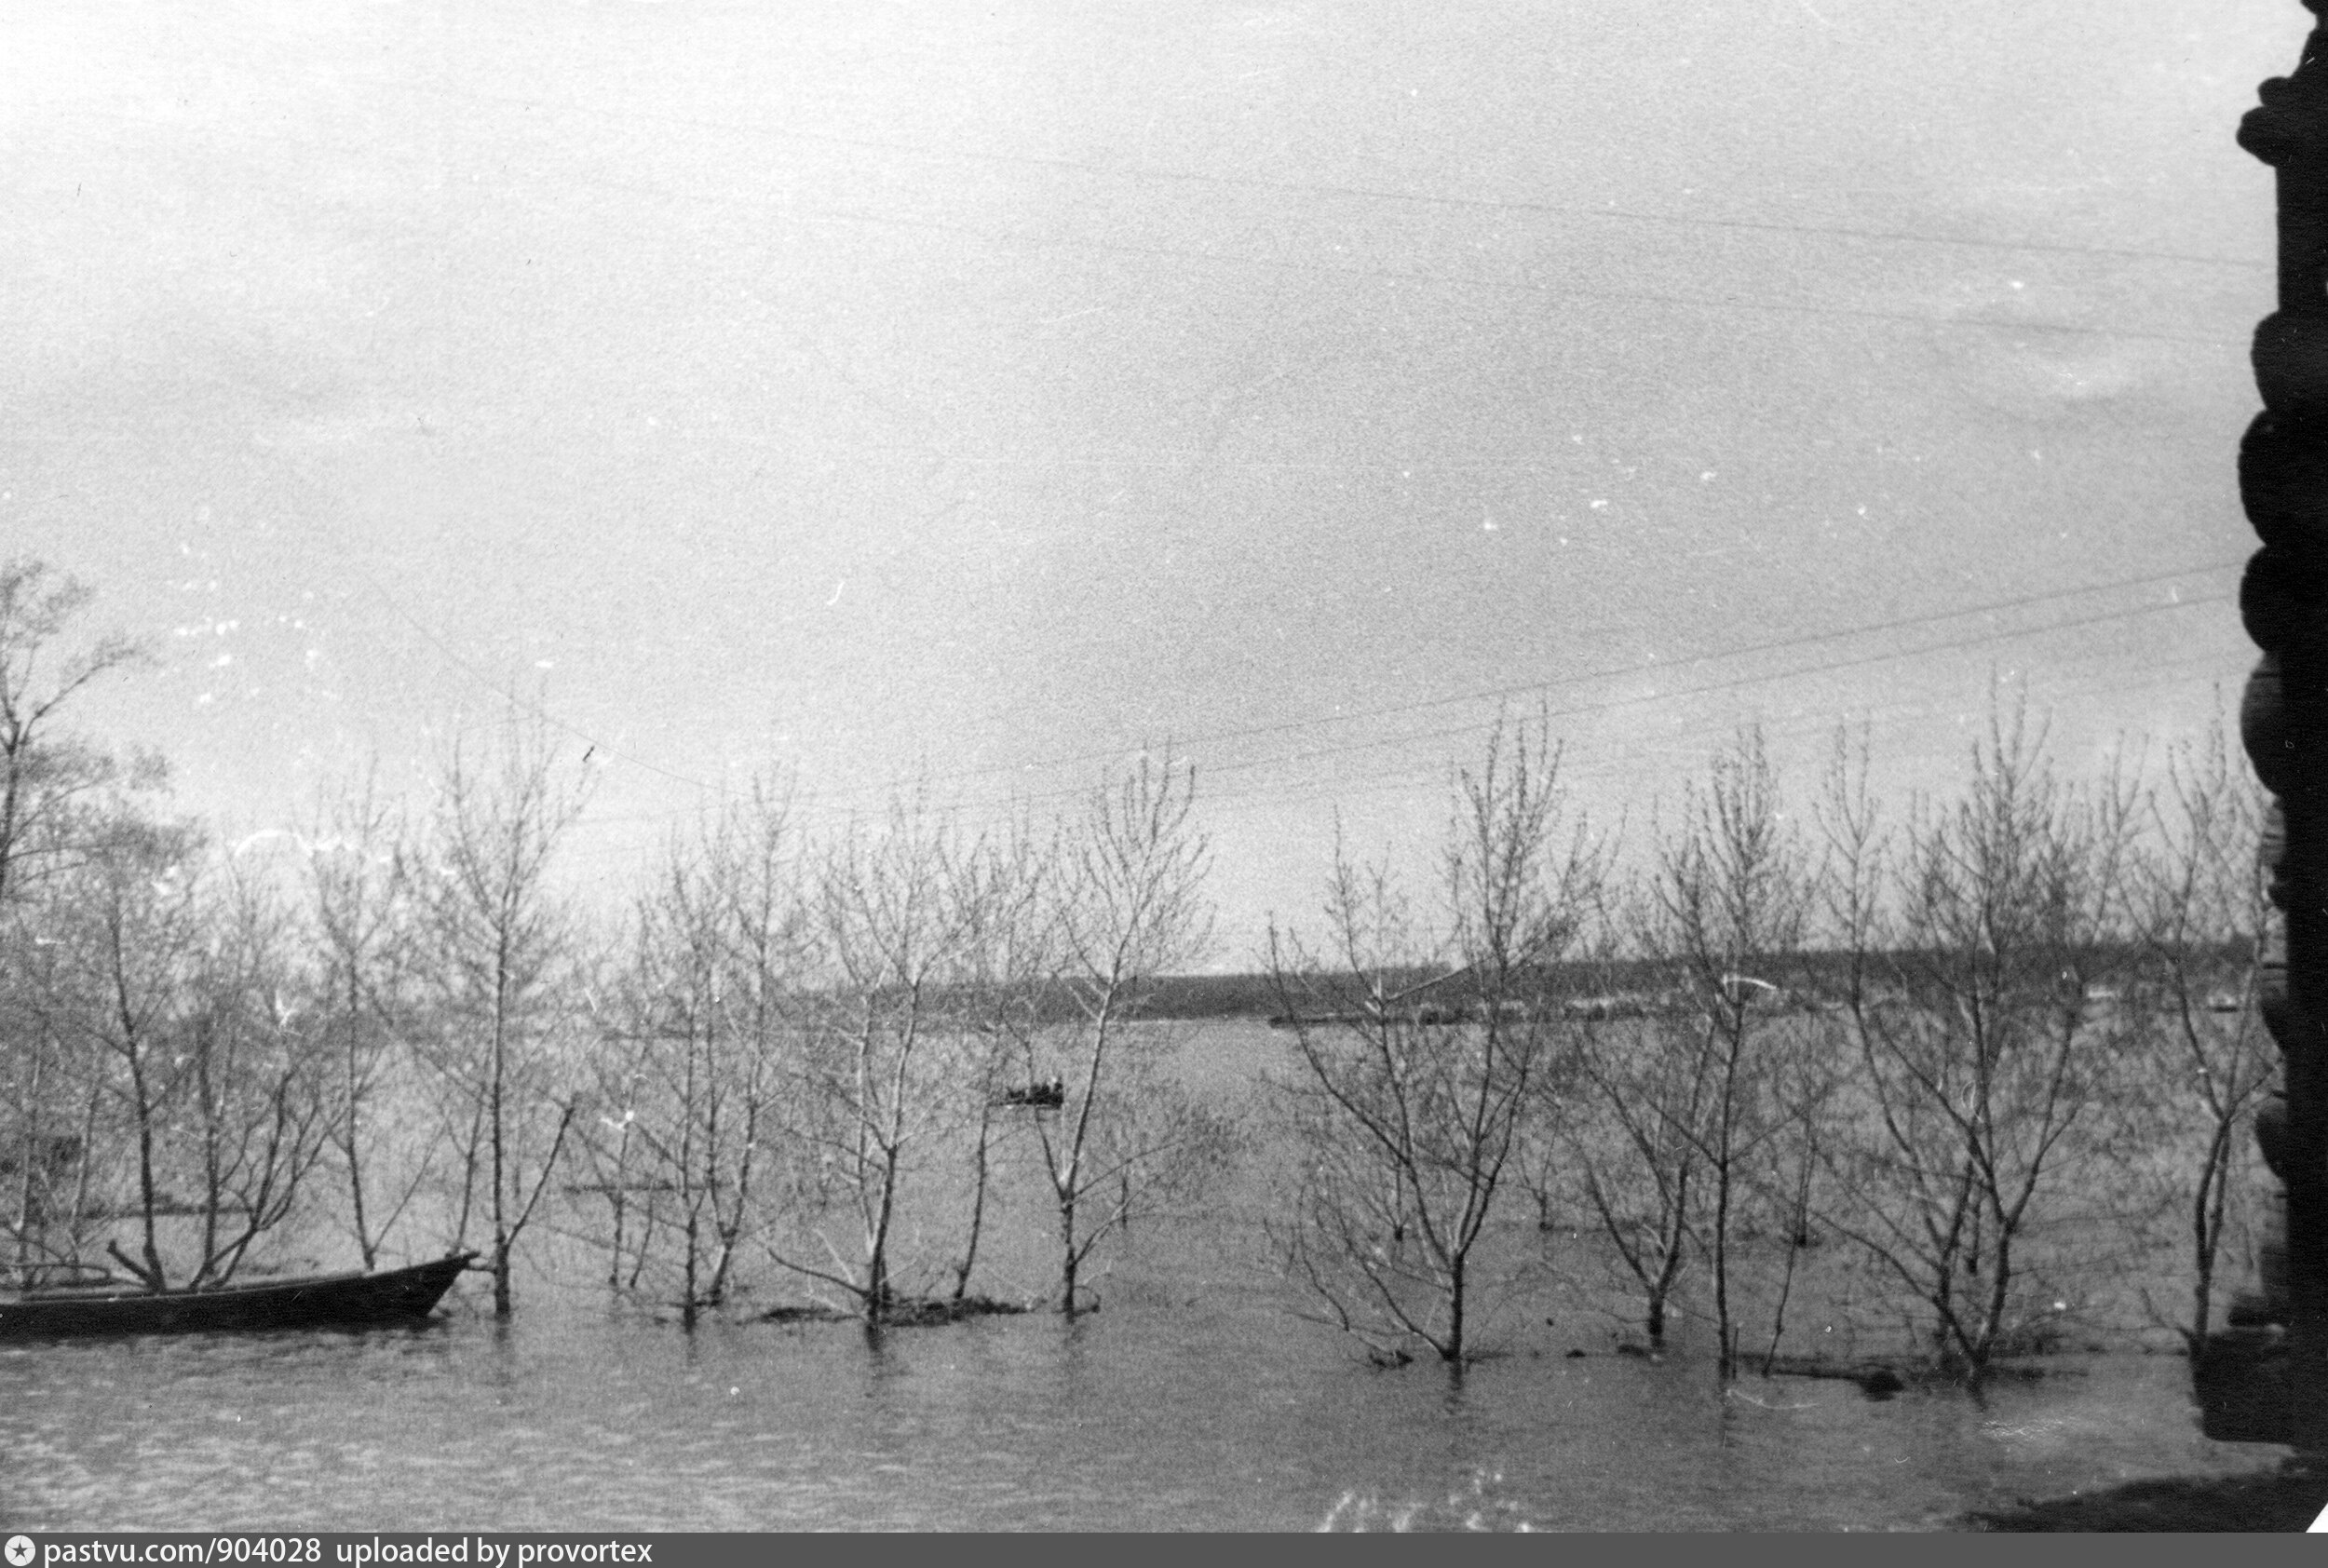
315 1301
1051 1096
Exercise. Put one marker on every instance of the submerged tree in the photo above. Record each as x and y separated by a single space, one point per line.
1635 1142
501 950
1130 900
2204 913
884 1067
1407 1115
53 786
358 871
131 955
258 1109
1007 996
693 1058
1972 953
1727 907
52 1162
175 991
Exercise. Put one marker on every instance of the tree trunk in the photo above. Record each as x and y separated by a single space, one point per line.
365 1243
1727 1369
878 1261
1453 1353
977 1203
689 1299
146 1196
499 1133
2207 1213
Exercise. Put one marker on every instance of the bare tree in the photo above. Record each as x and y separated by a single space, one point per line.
2202 910
1131 910
884 1069
1637 1153
54 1092
770 943
56 1101
698 1060
660 1073
132 956
256 1114
52 788
1408 1114
1803 1086
1971 955
1729 901
42 774
1011 994
361 897
174 976
501 947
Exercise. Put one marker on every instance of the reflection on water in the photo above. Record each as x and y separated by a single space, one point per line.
1157 1413
1192 1400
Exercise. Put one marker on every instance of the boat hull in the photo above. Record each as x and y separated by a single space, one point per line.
316 1301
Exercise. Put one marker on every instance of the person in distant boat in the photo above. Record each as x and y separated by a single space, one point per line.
1038 1096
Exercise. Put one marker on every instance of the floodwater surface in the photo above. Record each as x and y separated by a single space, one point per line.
1152 1415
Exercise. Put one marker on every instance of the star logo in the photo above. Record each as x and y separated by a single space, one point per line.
20 1551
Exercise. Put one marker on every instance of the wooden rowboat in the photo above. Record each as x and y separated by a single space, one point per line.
315 1301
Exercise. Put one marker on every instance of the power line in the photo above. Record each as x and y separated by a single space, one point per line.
1029 240
1690 741
1829 666
1490 694
1264 790
1148 173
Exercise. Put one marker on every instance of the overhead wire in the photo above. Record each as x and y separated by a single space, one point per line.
1690 745
1265 790
1031 240
1796 672
1511 689
1136 173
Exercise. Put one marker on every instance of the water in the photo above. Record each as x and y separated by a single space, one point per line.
1151 1415
1193 1400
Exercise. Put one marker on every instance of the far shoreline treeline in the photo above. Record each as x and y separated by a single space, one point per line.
1599 987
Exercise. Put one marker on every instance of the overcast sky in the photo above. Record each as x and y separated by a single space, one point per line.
858 389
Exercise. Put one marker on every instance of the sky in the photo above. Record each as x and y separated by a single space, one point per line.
991 394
